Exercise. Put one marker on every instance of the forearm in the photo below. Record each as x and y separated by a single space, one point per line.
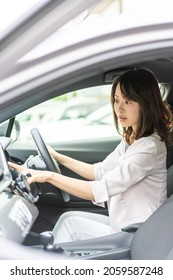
76 187
83 169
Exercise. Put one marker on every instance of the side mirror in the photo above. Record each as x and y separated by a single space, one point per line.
15 131
3 128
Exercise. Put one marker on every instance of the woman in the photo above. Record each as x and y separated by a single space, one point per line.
132 179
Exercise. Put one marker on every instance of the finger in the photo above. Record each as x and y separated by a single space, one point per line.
16 166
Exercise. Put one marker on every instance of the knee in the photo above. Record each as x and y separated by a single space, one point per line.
66 216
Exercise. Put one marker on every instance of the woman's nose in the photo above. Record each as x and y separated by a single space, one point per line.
120 107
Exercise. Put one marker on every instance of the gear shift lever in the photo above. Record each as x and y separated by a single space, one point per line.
46 238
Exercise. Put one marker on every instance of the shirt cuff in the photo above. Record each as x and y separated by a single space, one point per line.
99 191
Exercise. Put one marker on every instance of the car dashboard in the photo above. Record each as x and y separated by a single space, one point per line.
17 210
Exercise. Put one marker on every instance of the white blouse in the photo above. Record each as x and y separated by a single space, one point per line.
132 180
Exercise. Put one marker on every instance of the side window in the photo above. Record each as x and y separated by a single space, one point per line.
83 114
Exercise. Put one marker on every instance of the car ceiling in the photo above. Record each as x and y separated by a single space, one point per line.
163 69
36 25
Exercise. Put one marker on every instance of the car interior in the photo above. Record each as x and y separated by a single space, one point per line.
28 217
28 213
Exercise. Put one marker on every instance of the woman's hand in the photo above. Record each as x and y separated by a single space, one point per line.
35 175
52 152
57 156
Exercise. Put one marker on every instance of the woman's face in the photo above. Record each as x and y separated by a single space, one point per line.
127 111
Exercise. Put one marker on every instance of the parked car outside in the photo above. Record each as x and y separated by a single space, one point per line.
57 126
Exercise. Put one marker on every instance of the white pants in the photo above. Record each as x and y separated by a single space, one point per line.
77 225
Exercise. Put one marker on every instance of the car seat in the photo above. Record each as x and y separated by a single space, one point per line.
154 239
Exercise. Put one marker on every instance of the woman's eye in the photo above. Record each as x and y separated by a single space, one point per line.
128 102
116 101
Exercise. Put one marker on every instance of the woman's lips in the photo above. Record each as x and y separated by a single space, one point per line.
122 119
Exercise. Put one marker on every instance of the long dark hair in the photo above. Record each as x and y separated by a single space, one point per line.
140 85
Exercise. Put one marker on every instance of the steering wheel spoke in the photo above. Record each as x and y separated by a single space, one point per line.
51 164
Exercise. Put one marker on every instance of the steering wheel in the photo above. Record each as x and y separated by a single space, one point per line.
51 164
